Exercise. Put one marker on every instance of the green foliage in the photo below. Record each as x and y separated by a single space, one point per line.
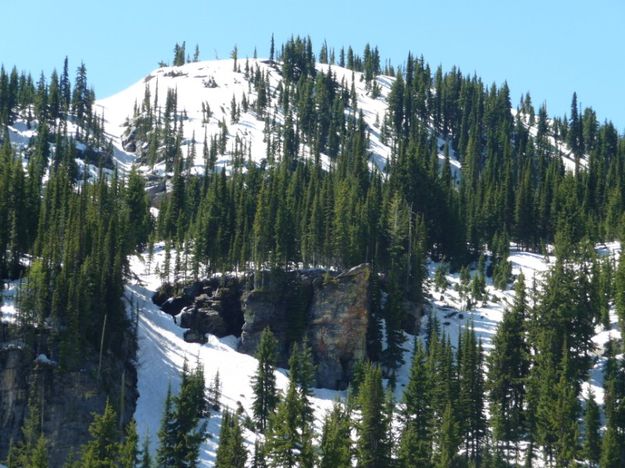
417 435
373 447
336 445
508 369
231 452
440 278
264 380
592 425
104 449
182 431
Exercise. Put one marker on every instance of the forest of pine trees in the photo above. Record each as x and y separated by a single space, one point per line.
67 237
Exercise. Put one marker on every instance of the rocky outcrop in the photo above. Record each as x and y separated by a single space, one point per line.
412 317
210 306
280 301
337 328
67 399
332 311
14 369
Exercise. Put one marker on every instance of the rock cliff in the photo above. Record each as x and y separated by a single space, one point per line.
66 399
337 329
331 310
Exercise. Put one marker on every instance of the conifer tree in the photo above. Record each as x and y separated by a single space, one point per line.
231 452
129 452
336 444
264 380
448 439
104 448
165 456
610 448
508 370
592 424
372 445
284 442
146 457
416 439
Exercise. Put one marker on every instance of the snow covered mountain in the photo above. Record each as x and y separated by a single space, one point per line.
215 85
207 90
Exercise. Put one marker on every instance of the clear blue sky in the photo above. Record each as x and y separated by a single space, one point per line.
548 47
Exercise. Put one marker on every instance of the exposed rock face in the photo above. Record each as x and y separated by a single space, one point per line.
262 309
68 399
280 302
337 328
14 369
333 312
412 317
210 306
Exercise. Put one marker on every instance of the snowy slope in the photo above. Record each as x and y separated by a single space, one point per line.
216 83
162 349
162 352
486 316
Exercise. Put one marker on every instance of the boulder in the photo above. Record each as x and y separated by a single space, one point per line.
192 336
174 305
162 294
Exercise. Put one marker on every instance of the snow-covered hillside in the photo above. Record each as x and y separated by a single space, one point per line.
215 83
162 350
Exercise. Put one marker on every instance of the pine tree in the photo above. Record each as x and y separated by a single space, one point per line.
611 448
39 455
372 446
619 290
231 452
166 456
508 370
258 460
146 457
104 448
416 438
283 444
302 373
129 453
264 380
592 424
336 444
448 439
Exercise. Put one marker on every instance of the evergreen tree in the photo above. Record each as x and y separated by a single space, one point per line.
264 380
508 369
165 456
104 448
146 457
416 439
336 444
284 442
611 448
448 439
129 452
372 445
231 452
592 424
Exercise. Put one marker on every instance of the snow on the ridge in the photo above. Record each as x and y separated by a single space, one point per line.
215 82
373 110
161 355
561 147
